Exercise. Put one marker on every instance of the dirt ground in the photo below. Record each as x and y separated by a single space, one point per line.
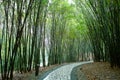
93 71
31 75
100 71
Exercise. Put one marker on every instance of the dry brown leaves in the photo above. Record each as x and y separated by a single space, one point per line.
100 71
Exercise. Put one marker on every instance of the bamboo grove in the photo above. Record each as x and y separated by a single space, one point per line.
40 31
103 22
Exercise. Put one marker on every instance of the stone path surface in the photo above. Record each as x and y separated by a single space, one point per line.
64 72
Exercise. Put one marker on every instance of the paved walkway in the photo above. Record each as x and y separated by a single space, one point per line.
64 72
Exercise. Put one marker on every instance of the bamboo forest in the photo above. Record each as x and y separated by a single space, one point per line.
59 39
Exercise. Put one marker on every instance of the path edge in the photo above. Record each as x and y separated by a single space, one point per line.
46 73
74 74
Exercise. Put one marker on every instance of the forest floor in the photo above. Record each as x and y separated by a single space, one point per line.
99 71
31 75
93 71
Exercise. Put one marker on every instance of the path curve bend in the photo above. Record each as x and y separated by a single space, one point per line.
64 72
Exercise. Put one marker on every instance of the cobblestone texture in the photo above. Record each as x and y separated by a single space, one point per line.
64 72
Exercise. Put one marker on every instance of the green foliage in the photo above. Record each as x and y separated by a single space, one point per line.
32 27
103 26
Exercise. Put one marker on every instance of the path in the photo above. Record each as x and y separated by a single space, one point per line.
64 72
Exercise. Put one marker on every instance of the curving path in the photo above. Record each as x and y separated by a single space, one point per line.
64 72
